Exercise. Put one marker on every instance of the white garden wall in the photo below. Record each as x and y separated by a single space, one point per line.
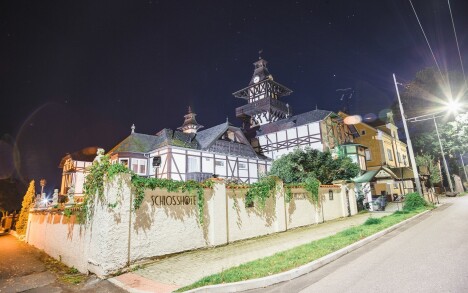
167 223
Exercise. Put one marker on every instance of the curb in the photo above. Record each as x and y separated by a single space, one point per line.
302 270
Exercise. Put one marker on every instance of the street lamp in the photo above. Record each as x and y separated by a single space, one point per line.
408 140
433 116
451 106
43 183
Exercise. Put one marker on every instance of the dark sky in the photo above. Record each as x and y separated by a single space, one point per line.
79 73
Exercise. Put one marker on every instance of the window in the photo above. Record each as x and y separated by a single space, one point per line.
389 155
124 162
398 156
363 132
139 166
142 168
219 163
242 166
350 149
330 194
368 155
404 160
193 164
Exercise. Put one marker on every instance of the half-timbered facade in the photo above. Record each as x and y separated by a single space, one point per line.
262 96
73 169
220 151
274 131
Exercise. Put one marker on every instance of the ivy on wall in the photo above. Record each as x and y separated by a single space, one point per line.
103 170
311 184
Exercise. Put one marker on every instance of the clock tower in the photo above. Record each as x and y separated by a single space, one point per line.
262 96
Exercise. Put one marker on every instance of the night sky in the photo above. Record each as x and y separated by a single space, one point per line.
79 73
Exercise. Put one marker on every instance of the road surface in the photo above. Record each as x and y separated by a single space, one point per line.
428 255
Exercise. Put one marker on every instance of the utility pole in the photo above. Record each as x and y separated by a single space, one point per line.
463 166
408 140
443 155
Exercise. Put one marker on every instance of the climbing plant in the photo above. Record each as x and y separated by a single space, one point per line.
260 191
311 184
103 170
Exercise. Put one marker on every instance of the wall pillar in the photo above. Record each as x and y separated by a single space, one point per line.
218 215
280 207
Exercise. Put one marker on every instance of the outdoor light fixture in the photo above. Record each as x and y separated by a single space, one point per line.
452 106
156 161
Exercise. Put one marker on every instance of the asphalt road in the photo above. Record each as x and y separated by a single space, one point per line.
428 255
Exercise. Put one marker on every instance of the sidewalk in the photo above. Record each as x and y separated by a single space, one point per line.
168 274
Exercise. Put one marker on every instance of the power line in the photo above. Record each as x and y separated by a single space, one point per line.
427 41
456 40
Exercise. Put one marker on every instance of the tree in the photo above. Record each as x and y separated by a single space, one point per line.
453 135
22 224
300 164
426 160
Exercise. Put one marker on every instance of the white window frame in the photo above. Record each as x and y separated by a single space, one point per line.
193 164
368 155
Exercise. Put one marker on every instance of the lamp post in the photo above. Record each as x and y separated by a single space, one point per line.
434 116
43 182
408 140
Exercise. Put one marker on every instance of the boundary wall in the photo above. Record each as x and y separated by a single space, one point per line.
167 223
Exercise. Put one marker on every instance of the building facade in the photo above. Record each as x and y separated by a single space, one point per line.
386 157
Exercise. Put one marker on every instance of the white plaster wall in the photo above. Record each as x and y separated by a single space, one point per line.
246 222
165 229
332 209
116 237
300 211
60 237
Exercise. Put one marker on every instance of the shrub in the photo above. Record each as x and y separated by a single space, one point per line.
414 201
373 221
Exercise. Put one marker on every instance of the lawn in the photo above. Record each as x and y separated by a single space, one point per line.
303 254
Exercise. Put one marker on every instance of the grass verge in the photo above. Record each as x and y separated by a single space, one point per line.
303 254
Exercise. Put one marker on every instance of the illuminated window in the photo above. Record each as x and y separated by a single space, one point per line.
368 155
389 155
193 164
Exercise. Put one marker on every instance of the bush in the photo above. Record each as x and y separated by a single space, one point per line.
414 201
373 221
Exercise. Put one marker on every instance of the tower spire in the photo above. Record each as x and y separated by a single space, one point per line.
133 128
190 124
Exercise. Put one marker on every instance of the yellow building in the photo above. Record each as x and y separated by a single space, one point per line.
386 156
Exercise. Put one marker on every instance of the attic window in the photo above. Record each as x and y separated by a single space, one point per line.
363 132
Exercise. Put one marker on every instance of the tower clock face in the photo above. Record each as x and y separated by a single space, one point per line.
256 79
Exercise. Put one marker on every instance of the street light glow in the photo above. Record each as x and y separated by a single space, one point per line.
453 106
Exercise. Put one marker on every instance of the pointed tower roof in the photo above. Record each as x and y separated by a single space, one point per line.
190 124
260 71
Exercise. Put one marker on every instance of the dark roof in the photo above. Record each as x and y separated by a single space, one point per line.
369 175
294 121
206 137
203 140
136 143
85 155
